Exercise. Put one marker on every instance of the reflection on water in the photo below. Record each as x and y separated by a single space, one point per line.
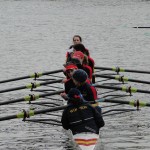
34 38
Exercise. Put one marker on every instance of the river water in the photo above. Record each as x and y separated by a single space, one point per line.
34 37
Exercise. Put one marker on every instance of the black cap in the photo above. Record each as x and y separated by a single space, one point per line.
80 75
74 96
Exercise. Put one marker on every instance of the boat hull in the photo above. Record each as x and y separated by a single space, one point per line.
84 141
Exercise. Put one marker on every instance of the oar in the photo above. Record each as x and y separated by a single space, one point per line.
31 86
46 103
118 69
124 110
135 103
35 75
141 27
116 112
45 121
123 88
26 114
31 97
122 79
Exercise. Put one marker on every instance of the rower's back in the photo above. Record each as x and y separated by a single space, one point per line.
79 116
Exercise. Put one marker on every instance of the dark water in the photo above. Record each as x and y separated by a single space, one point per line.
34 36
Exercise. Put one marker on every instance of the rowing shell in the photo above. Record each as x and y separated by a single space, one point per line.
84 141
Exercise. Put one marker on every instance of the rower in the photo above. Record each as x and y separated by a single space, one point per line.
88 91
79 116
68 82
78 46
79 59
76 40
87 59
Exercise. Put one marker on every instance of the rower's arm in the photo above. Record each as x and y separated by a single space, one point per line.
64 120
98 118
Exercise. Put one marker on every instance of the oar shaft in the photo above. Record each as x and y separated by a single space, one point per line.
12 101
30 86
8 117
50 109
117 69
32 76
135 103
141 27
51 82
127 89
15 79
122 79
25 114
13 89
31 97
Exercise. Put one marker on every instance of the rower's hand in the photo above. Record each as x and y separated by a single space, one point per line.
64 80
64 96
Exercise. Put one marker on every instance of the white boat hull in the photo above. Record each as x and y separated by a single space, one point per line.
84 141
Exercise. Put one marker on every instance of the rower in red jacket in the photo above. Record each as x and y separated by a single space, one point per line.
76 40
78 58
77 45
68 82
69 69
80 47
79 116
88 60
